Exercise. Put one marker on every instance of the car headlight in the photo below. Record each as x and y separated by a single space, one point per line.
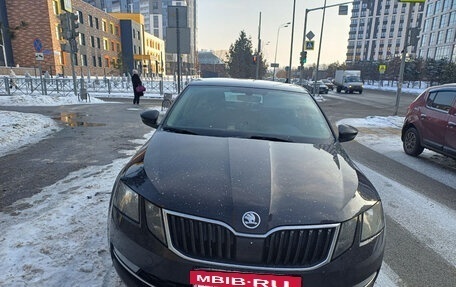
373 222
126 201
346 236
155 221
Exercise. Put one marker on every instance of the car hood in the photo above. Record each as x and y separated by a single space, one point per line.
223 178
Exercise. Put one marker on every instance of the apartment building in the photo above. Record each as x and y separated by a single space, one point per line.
140 50
377 30
37 38
438 30
155 14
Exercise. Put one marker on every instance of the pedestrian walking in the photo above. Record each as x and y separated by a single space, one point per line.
136 81
12 81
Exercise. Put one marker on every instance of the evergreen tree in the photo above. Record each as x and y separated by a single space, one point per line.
242 60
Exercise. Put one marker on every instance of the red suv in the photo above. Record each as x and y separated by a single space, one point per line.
431 122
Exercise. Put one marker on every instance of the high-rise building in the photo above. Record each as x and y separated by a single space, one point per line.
377 29
155 14
438 31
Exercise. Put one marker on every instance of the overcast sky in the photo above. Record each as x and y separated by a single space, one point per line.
220 23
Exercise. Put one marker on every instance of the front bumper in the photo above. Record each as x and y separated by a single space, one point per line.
142 260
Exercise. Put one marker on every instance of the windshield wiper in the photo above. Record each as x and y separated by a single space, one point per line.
179 130
270 138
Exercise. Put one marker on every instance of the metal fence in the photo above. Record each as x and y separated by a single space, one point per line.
27 85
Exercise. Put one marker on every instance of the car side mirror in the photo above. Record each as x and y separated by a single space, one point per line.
150 118
346 133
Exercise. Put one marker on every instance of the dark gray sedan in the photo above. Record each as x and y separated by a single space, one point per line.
244 183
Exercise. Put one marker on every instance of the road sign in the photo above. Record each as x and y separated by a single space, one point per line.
310 35
274 65
310 45
39 56
343 10
38 45
382 69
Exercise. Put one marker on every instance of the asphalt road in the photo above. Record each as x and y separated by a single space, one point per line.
91 135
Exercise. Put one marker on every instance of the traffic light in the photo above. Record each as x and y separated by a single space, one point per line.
69 23
303 58
74 25
65 25
254 59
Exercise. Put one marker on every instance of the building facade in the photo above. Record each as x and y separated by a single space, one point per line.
377 29
107 44
140 50
438 30
37 38
155 14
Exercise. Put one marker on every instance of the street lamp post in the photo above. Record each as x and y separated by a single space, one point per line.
277 44
291 45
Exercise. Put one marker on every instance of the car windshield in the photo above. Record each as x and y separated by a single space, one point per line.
352 79
248 112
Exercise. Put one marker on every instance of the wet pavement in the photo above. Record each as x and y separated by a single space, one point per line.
91 134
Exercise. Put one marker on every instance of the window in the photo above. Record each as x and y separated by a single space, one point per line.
440 37
57 32
90 20
105 44
99 62
96 23
82 39
444 20
94 61
111 28
83 60
441 100
98 43
452 19
55 7
449 35
80 17
104 26
92 41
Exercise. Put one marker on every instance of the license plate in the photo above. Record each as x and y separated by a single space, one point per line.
203 278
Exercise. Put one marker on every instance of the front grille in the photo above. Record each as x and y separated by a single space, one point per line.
284 248
201 239
300 247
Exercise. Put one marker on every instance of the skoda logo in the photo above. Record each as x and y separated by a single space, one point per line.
251 220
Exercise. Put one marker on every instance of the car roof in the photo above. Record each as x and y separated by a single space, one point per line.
444 86
248 83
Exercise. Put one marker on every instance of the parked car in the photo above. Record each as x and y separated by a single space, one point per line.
245 182
430 122
328 83
321 87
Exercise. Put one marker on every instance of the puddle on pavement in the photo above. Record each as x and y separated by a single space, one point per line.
74 120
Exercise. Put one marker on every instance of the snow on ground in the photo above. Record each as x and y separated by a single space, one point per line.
63 237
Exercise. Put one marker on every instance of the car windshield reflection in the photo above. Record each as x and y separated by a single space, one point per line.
247 112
